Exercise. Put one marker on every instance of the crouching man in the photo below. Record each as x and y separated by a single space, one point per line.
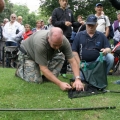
44 52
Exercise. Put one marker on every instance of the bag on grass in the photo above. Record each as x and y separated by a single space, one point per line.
88 91
95 72
95 79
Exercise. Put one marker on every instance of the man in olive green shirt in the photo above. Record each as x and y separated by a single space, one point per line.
45 51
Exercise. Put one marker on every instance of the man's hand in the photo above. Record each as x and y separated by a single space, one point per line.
104 51
67 23
64 86
78 85
82 22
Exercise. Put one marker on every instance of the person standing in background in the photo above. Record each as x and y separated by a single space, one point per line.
11 32
63 17
38 26
49 26
28 32
102 20
116 29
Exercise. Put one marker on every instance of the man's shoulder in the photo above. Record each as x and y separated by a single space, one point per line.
57 9
80 36
65 39
69 10
82 32
106 17
17 23
102 16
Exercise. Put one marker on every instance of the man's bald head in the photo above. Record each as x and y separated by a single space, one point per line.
55 37
55 30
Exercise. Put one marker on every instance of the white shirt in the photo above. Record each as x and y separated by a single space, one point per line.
9 31
103 22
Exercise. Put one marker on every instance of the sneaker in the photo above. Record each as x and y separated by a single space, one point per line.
64 75
110 72
117 82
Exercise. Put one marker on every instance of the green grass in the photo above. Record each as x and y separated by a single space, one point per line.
16 93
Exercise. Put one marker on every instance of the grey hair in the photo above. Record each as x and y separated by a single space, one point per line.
51 32
14 15
6 20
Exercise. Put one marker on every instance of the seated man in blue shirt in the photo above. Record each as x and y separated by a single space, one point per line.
88 43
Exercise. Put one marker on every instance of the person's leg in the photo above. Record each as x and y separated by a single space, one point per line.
7 43
64 69
13 63
27 69
109 58
56 63
110 61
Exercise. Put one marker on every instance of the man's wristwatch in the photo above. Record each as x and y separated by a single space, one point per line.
78 77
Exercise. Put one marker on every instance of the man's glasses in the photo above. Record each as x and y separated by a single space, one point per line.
13 17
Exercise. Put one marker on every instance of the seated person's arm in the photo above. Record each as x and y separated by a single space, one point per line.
105 50
49 75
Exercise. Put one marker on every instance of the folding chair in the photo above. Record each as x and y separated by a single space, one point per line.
9 55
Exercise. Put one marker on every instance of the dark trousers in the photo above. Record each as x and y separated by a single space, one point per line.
8 61
64 67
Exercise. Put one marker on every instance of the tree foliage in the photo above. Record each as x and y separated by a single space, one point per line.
7 10
28 18
79 7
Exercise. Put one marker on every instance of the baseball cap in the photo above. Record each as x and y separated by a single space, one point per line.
98 4
91 19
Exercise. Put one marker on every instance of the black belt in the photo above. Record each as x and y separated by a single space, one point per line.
22 50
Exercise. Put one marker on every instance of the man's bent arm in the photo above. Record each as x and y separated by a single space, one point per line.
75 67
75 54
49 75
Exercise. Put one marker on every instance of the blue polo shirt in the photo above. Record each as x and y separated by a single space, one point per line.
88 48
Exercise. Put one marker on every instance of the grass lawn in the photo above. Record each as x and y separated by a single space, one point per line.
16 93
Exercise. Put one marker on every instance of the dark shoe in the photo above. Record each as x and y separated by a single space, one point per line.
110 72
